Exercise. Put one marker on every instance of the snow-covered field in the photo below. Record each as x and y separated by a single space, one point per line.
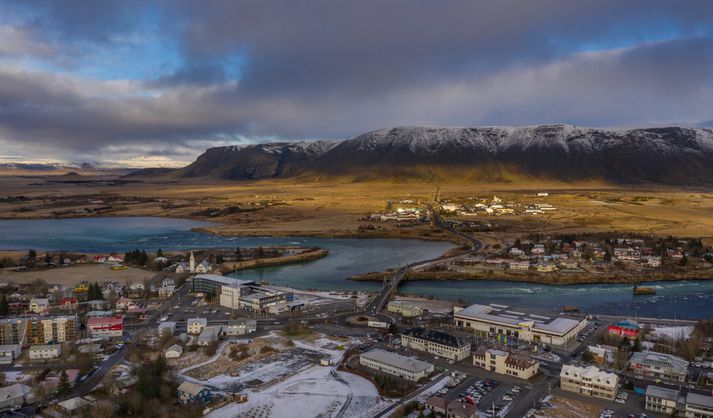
300 388
16 377
674 332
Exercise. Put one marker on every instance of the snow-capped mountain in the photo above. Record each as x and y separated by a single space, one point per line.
671 155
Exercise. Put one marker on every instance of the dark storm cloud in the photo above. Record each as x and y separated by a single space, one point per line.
255 69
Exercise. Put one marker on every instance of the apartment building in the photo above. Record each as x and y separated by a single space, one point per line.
659 367
503 362
661 400
396 364
37 330
589 381
436 342
698 406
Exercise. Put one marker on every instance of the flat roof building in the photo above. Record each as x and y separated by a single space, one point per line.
212 283
112 326
436 342
505 324
396 364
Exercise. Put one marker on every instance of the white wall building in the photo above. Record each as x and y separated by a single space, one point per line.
45 351
396 364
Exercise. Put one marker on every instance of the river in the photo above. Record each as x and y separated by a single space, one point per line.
348 256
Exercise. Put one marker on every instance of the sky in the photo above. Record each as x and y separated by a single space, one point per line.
154 83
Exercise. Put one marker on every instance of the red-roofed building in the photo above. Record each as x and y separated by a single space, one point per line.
625 328
69 304
112 326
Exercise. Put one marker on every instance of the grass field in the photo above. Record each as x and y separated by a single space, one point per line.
69 276
333 208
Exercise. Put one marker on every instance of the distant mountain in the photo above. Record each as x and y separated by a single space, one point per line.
669 155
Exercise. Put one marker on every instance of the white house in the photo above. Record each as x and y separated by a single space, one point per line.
9 353
196 325
174 351
45 351
39 305
166 328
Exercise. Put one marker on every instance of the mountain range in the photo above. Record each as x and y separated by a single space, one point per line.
668 155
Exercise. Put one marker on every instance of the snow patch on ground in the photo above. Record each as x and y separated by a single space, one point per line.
674 332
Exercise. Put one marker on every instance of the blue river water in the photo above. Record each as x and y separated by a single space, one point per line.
349 256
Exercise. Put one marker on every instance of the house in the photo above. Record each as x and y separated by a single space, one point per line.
503 362
603 354
589 381
14 396
661 400
165 292
52 381
546 267
209 334
160 260
168 281
625 328
174 351
124 304
74 406
239 327
45 351
121 385
395 364
451 409
519 265
659 367
204 267
538 249
189 392
69 304
516 252
9 353
166 328
436 342
196 325
458 409
651 261
39 305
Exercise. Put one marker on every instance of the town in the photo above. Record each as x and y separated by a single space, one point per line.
191 341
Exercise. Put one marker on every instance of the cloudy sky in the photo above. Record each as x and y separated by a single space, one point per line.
156 82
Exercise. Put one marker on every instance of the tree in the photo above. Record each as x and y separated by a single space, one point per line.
159 253
4 306
64 386
607 256
260 252
219 259
587 356
238 254
684 261
32 254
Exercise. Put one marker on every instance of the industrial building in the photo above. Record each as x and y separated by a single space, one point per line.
436 342
404 309
396 364
589 381
507 325
503 362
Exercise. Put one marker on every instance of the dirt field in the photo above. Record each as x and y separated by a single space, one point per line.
333 208
72 275
569 408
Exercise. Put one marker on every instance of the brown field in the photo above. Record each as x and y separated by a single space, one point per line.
69 276
333 208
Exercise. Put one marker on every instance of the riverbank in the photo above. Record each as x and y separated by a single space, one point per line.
309 255
551 278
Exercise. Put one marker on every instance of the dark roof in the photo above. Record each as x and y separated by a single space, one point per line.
436 337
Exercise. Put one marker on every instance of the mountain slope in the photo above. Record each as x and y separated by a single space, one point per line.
670 155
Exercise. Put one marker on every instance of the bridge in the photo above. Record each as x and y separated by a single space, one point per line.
390 285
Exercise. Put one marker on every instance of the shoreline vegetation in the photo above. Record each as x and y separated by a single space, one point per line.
554 279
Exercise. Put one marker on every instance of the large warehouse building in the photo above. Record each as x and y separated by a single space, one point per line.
507 325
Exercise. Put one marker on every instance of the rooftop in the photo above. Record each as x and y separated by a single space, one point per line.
505 315
664 393
702 400
660 360
190 388
438 337
397 360
225 280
